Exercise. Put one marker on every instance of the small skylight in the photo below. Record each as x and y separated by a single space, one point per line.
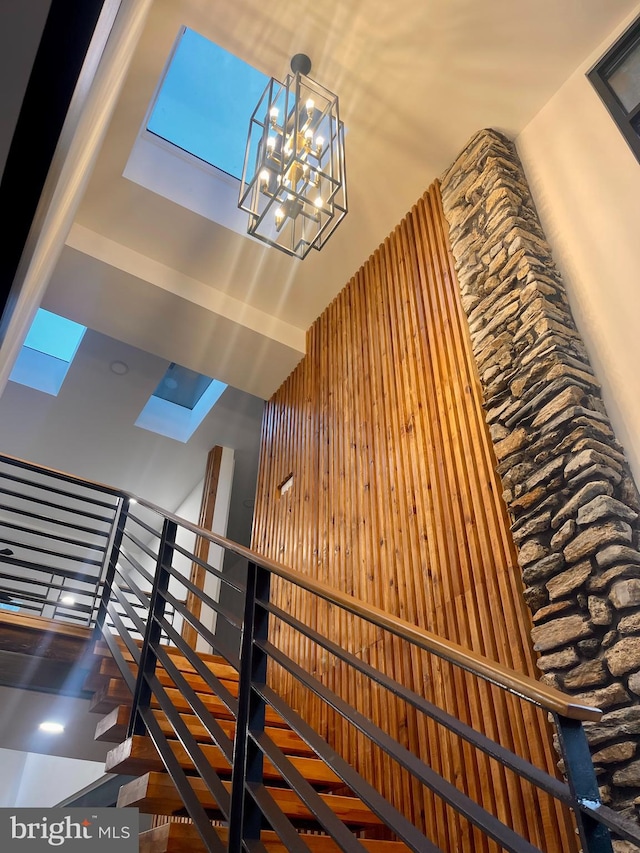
182 386
179 404
205 102
47 353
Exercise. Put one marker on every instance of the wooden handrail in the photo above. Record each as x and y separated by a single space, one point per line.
527 688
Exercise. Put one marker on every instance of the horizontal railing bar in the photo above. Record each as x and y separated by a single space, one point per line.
8 508
235 585
45 534
62 475
212 680
277 819
143 524
138 567
325 816
51 489
179 778
116 652
231 618
40 502
40 599
369 795
509 759
77 558
37 608
614 821
51 585
128 608
140 544
25 564
132 647
143 598
464 805
184 735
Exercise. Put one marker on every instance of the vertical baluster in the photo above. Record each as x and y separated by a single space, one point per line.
116 543
148 658
582 781
245 819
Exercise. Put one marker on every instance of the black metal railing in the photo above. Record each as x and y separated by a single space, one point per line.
143 616
56 533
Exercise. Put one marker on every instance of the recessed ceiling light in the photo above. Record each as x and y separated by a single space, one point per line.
119 368
51 727
67 599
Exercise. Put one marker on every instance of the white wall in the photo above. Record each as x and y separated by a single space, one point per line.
28 779
190 510
12 765
586 184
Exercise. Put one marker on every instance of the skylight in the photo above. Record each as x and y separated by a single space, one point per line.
180 402
47 353
205 102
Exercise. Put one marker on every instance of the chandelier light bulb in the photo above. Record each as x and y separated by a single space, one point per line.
293 186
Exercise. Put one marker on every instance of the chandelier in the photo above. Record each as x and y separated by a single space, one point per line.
293 181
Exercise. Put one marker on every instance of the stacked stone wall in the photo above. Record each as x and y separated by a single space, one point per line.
567 484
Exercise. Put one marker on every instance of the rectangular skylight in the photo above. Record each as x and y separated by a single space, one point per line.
205 102
47 353
182 386
180 402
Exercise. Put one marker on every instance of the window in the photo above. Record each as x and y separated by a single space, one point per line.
616 78
47 353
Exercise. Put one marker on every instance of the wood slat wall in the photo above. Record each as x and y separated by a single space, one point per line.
396 501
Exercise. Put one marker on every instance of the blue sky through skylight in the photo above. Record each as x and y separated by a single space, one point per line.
205 102
54 335
47 353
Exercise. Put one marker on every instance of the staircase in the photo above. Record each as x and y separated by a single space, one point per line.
214 747
154 793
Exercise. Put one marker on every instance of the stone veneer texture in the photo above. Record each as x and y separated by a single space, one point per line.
567 485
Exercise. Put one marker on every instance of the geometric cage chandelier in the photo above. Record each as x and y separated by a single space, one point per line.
293 182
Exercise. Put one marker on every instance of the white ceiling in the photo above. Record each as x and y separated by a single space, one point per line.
22 711
88 429
415 80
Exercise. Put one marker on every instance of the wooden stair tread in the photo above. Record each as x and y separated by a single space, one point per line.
113 729
192 678
184 838
154 793
103 668
216 663
138 755
116 693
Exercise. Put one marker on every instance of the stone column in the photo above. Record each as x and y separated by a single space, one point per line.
567 485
